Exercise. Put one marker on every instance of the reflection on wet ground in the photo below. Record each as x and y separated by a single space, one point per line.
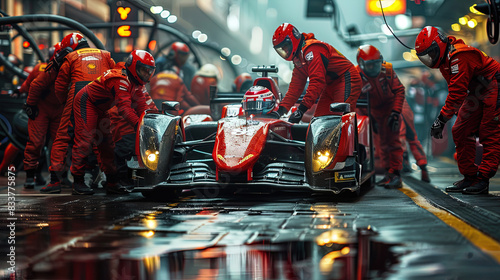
381 235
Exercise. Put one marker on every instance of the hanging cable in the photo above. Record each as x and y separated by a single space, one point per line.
390 29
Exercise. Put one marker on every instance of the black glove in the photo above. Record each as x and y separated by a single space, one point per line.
277 114
31 110
297 115
438 126
393 121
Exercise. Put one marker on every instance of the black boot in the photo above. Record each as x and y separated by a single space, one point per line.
79 186
384 180
480 186
458 186
113 187
425 174
30 179
39 180
395 180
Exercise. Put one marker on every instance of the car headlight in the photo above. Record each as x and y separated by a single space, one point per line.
326 148
149 147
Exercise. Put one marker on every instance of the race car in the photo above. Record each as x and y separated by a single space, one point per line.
237 150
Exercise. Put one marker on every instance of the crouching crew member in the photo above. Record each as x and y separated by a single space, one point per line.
115 86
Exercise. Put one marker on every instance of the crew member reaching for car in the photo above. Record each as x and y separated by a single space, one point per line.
115 86
332 77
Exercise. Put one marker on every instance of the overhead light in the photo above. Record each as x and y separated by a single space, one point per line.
473 10
236 59
402 22
156 9
472 23
455 27
463 20
203 38
196 34
172 19
225 51
165 14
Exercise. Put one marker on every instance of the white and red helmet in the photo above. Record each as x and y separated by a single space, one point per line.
141 66
258 100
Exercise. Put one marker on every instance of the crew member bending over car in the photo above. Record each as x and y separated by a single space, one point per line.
115 86
332 77
473 88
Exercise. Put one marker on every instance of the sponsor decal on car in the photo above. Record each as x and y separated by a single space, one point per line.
345 176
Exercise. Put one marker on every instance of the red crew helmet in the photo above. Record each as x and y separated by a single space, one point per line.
431 45
72 40
179 52
286 41
369 60
258 100
242 82
140 66
54 50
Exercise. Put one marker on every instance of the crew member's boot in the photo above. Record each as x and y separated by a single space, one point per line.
79 186
458 186
395 180
480 186
30 179
425 173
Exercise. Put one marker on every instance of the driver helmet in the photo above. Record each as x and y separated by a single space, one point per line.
286 41
179 53
258 100
369 60
140 66
431 45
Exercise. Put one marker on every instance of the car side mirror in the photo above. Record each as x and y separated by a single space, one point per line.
340 108
170 106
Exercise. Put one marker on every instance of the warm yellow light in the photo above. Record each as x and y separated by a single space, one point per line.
152 157
474 11
345 250
455 27
407 56
472 23
391 7
148 234
124 31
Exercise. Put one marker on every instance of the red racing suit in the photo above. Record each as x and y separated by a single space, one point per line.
79 68
167 85
408 134
473 86
387 94
92 122
332 78
41 93
200 88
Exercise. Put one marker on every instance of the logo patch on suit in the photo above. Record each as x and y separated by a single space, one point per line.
454 69
309 56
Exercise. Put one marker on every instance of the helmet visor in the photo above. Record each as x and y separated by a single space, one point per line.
285 48
371 67
145 72
430 56
258 106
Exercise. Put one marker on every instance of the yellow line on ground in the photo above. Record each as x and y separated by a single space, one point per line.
485 243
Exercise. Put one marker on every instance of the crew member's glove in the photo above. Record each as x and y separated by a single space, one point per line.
31 110
298 114
393 121
438 126
277 114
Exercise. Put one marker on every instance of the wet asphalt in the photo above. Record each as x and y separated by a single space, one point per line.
417 232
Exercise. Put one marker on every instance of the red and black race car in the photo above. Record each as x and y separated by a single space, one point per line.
329 154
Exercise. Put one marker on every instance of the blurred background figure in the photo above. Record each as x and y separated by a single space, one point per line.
168 86
242 82
177 60
207 76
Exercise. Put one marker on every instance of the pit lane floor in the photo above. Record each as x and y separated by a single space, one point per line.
417 232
